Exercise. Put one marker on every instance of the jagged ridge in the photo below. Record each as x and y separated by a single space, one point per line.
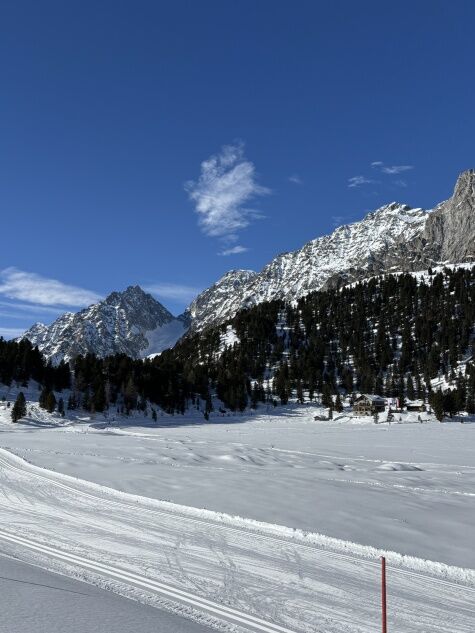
130 322
394 237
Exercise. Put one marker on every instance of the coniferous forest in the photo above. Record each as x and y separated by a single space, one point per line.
391 336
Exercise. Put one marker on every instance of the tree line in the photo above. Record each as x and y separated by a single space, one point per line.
397 336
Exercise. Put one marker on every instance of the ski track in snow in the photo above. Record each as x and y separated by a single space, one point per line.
226 571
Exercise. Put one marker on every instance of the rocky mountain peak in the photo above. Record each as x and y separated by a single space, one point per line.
388 209
350 250
449 235
394 237
131 322
464 192
131 293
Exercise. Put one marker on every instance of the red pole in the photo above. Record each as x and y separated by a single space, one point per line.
383 594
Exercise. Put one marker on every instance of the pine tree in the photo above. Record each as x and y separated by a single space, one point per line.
437 403
208 406
86 400
61 407
338 404
99 398
50 402
254 396
450 402
471 402
130 395
43 397
327 400
19 408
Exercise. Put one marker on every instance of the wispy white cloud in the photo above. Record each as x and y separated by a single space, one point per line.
391 169
396 169
295 178
10 332
400 183
175 292
226 185
31 287
29 307
234 250
357 181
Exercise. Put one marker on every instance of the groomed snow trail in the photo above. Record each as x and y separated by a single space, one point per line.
212 570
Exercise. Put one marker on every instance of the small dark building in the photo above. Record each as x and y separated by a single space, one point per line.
368 404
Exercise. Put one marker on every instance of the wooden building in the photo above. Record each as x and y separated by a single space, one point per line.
368 404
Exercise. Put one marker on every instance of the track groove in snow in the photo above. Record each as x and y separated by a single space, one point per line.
254 575
168 591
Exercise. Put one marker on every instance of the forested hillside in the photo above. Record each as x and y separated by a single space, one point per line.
20 362
390 335
402 336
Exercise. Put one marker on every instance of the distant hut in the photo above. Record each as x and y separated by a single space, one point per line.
416 405
368 404
327 415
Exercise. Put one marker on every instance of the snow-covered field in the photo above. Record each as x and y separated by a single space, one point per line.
406 488
33 599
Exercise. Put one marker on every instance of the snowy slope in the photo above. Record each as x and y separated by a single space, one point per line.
130 322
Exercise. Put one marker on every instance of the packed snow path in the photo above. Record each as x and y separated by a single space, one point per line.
36 600
212 570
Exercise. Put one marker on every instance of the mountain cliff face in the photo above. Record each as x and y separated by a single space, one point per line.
449 235
130 322
392 238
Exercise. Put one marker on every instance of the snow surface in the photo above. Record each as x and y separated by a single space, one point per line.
163 337
32 599
319 497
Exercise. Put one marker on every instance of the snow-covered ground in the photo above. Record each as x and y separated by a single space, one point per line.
407 488
33 599
217 569
404 487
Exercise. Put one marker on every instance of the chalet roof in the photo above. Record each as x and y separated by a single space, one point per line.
371 397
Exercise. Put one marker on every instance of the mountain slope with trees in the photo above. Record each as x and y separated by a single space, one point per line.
395 237
399 336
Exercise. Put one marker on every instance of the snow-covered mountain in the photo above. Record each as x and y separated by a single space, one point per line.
350 248
130 322
394 237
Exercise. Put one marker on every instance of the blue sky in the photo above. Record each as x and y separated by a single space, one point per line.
164 143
